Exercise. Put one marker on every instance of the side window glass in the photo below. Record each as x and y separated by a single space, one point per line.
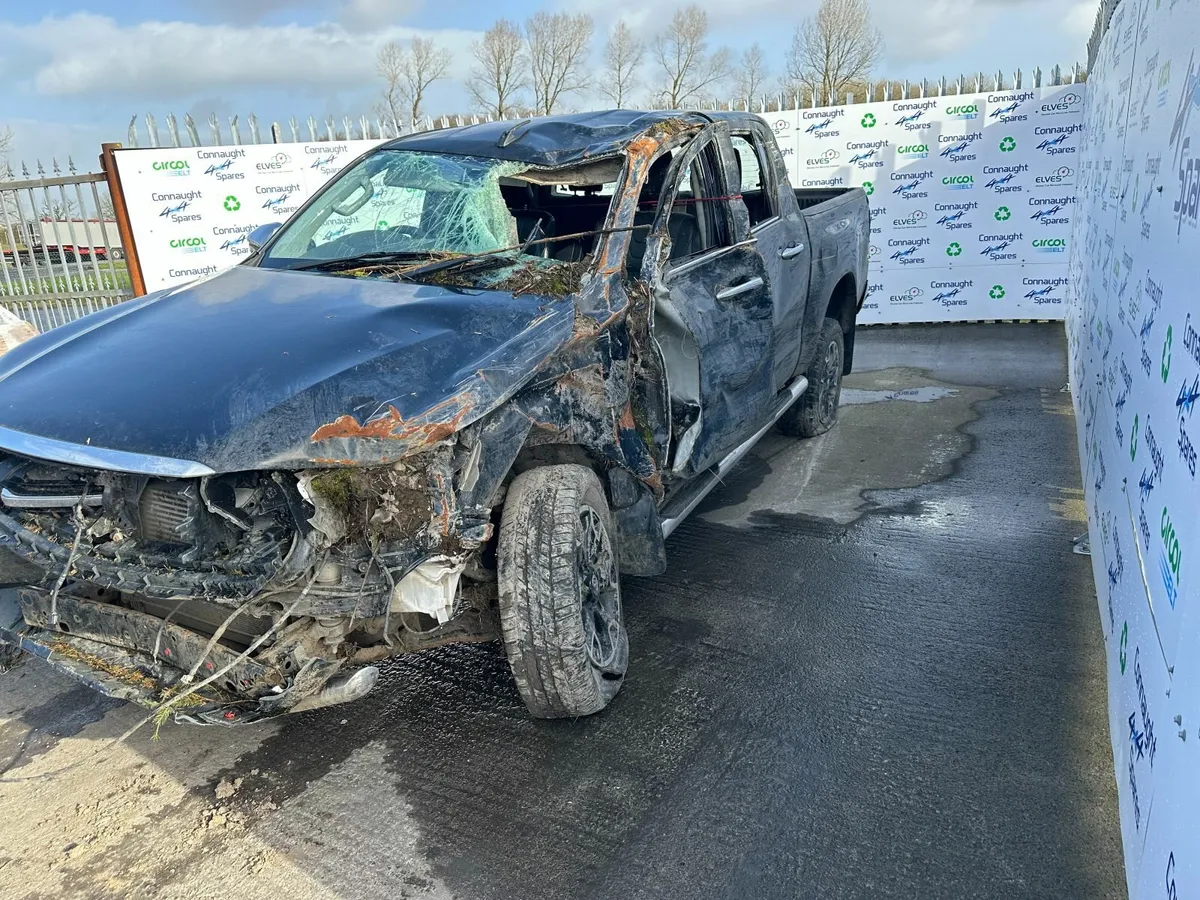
699 218
757 187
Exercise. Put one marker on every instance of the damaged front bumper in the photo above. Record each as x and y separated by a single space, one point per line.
236 598
137 677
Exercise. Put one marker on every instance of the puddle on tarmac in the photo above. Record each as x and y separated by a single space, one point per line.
926 394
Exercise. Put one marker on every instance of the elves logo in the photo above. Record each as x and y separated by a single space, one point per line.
912 295
916 219
780 125
275 164
1067 103
828 158
1063 175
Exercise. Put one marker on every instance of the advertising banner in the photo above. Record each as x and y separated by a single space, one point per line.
1133 324
972 197
191 208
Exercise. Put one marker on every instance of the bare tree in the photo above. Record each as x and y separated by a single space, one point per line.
390 64
105 209
59 209
407 74
6 139
557 44
751 75
498 77
622 56
688 69
833 50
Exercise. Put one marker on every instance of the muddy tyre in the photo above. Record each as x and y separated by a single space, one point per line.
560 595
817 409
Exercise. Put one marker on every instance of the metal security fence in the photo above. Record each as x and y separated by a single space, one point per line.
1103 16
186 132
61 254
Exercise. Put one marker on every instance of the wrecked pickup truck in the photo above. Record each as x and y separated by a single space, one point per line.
479 376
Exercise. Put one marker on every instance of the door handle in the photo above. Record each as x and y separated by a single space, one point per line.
745 287
791 252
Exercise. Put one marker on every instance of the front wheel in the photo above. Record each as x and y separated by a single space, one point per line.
817 409
560 592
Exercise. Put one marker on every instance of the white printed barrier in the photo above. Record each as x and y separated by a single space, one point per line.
1133 320
191 208
972 197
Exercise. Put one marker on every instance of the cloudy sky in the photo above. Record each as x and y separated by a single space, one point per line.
74 71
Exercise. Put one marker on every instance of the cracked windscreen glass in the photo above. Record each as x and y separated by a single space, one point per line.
402 201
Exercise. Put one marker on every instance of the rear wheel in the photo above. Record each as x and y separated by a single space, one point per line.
816 410
560 594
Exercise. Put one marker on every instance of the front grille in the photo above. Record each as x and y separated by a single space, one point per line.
167 512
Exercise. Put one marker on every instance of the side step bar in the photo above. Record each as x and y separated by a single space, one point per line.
680 506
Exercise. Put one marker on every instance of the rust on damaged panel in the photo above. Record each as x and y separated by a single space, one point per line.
447 418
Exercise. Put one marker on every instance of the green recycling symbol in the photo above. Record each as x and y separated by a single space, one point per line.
1133 436
997 292
1166 356
1008 145
1003 214
868 188
868 121
955 249
381 225
1124 646
232 204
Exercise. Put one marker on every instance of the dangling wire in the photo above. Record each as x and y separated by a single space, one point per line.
80 525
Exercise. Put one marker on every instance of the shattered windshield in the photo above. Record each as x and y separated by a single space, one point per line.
401 201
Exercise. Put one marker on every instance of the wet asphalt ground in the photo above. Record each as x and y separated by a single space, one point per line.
874 670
